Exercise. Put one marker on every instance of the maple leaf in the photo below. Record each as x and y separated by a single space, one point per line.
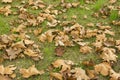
7 70
65 64
108 54
80 74
26 73
102 68
12 53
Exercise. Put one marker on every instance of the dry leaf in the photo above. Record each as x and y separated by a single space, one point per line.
59 50
101 38
117 42
103 68
57 76
37 31
19 44
104 27
5 10
118 47
75 4
109 32
5 39
4 77
13 53
88 63
30 53
91 74
114 75
65 64
26 73
85 49
7 70
6 1
90 24
80 74
28 42
112 1
108 54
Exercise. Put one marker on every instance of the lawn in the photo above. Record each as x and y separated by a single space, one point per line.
84 14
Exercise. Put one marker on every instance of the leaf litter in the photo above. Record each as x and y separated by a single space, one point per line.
18 42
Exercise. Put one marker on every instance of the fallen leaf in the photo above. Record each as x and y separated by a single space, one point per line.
26 73
117 42
112 1
102 68
91 74
88 63
57 76
4 77
85 49
80 74
13 53
19 44
7 1
108 54
28 42
59 50
31 53
90 25
7 70
114 75
65 64
104 27
37 31
5 10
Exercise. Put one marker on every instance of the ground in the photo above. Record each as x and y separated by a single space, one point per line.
48 49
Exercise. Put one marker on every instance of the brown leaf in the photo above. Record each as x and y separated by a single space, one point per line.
37 31
5 39
5 10
12 53
26 73
108 54
88 63
85 49
91 74
90 24
102 68
80 74
112 1
75 4
19 44
6 1
30 53
117 42
65 64
104 27
4 77
28 42
59 50
114 75
7 70
57 76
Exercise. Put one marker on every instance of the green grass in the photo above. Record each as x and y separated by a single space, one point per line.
72 53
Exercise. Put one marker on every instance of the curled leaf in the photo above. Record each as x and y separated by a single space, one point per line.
26 73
